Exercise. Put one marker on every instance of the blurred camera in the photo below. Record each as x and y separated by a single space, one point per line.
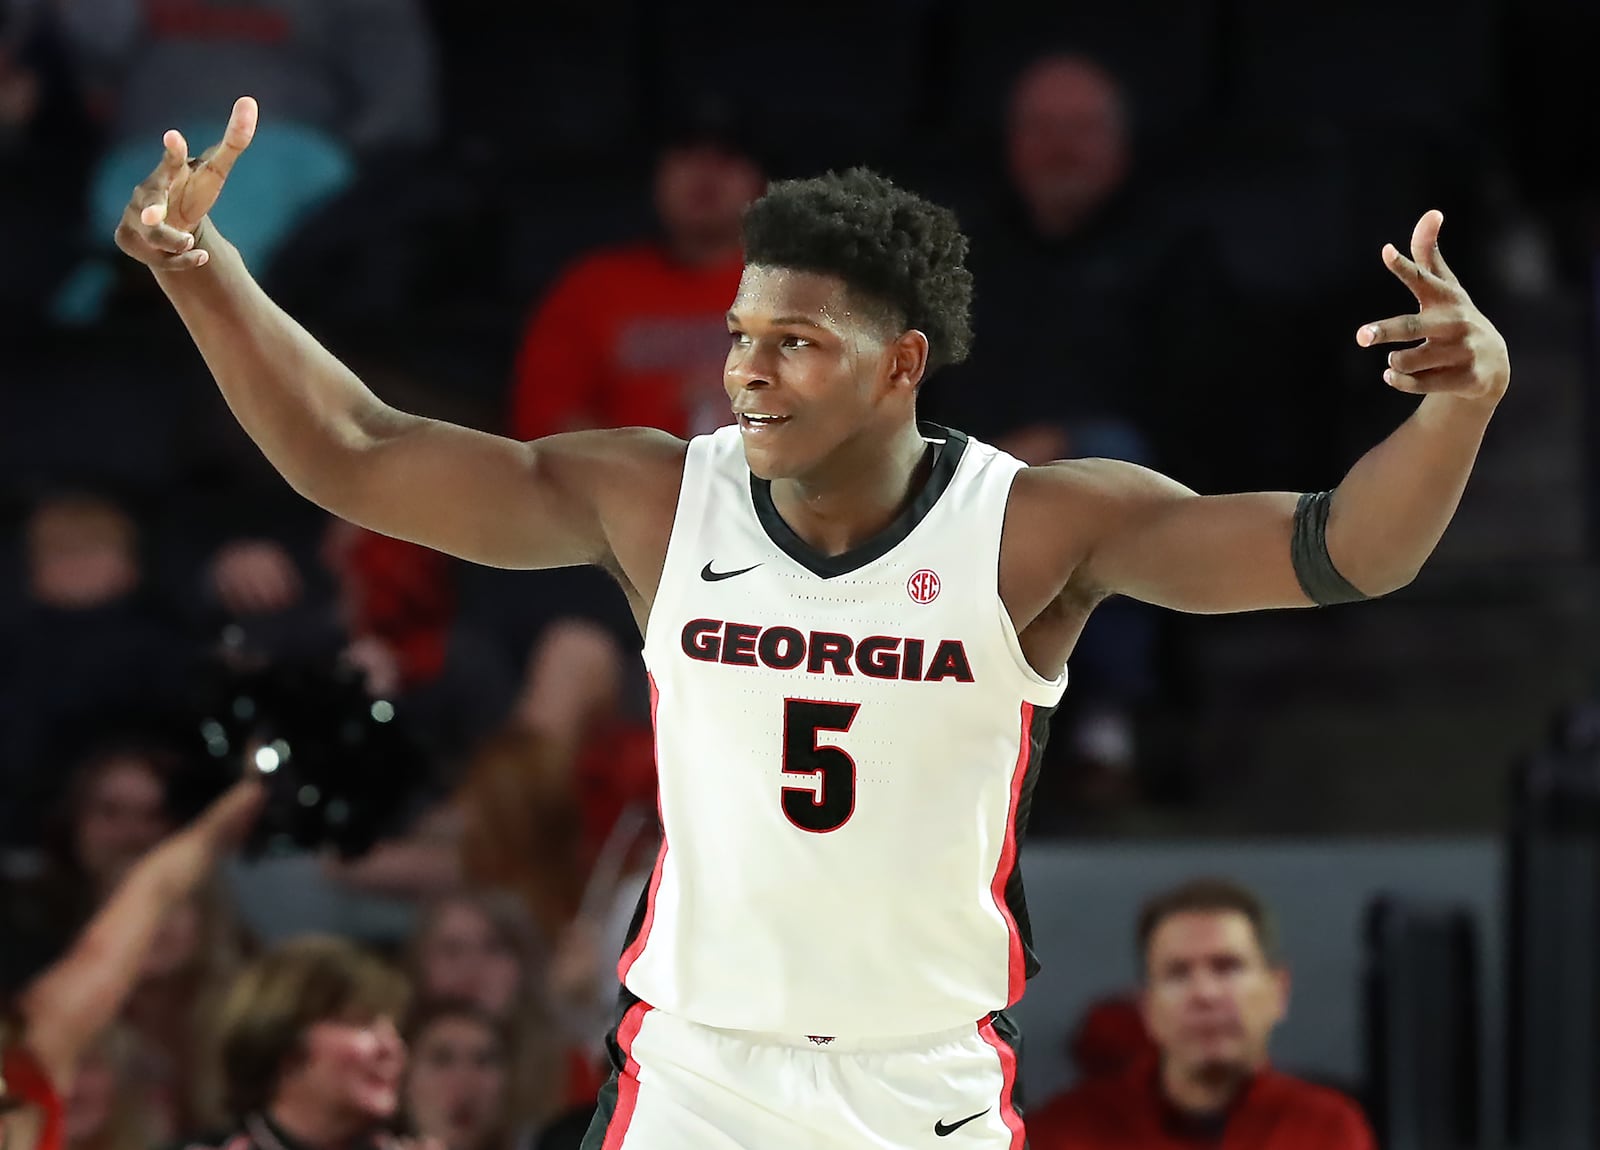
340 767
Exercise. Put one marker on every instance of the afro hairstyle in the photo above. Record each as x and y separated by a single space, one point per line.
888 245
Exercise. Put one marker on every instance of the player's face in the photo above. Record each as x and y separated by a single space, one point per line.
1211 998
808 372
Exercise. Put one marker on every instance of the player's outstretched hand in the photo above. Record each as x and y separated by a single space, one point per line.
1461 354
159 224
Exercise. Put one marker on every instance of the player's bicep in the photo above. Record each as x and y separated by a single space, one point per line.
1159 542
492 500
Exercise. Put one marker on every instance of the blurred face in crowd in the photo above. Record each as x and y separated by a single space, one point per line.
1211 998
456 1082
1066 144
701 192
348 1072
123 815
82 553
467 956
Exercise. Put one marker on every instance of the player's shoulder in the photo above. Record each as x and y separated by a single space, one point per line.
639 453
1092 478
1088 492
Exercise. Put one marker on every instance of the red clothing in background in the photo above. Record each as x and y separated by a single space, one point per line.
26 1080
403 594
627 338
1275 1112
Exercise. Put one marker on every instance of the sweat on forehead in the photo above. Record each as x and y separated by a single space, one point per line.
777 293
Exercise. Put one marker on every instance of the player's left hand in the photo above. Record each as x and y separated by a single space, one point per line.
1461 354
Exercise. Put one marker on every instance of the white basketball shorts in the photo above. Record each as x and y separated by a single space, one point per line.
677 1085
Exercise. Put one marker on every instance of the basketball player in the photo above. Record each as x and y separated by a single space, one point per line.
855 627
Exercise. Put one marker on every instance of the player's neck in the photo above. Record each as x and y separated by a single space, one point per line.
857 494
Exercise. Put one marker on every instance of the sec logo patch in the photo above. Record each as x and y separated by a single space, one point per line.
923 587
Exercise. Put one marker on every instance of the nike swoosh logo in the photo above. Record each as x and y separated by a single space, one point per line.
711 576
944 1131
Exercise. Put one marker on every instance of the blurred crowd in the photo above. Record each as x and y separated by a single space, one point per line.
162 1021
528 221
526 218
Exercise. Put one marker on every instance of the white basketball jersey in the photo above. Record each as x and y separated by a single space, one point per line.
846 748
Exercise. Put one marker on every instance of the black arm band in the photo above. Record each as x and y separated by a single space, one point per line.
1308 548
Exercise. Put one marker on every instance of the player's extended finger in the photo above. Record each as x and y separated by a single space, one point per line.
240 131
1431 356
1416 278
1398 329
1425 239
1429 323
153 208
1425 247
1445 379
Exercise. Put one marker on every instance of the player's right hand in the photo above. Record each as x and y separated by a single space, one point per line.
159 224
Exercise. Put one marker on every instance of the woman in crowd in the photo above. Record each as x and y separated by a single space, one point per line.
108 1108
457 1078
61 1015
480 947
186 973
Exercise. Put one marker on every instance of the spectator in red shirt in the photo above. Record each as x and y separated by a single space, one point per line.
1214 989
635 336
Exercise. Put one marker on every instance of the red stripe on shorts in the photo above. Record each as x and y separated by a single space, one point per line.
1008 1087
628 1080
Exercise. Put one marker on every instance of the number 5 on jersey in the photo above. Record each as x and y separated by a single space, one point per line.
828 805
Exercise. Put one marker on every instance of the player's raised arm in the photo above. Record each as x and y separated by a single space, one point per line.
478 496
1155 540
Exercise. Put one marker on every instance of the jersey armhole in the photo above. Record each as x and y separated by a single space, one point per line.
1039 690
699 470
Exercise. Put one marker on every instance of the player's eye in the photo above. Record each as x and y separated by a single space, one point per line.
795 341
736 337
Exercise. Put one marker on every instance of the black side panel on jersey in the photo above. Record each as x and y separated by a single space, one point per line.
1016 899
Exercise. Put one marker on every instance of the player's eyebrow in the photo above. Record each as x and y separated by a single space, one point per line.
785 321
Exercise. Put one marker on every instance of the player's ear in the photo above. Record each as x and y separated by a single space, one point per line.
908 359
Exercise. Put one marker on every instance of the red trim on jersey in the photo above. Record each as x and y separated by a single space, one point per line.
636 947
1017 965
1008 1072
628 1080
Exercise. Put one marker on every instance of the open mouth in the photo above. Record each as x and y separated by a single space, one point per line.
757 422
